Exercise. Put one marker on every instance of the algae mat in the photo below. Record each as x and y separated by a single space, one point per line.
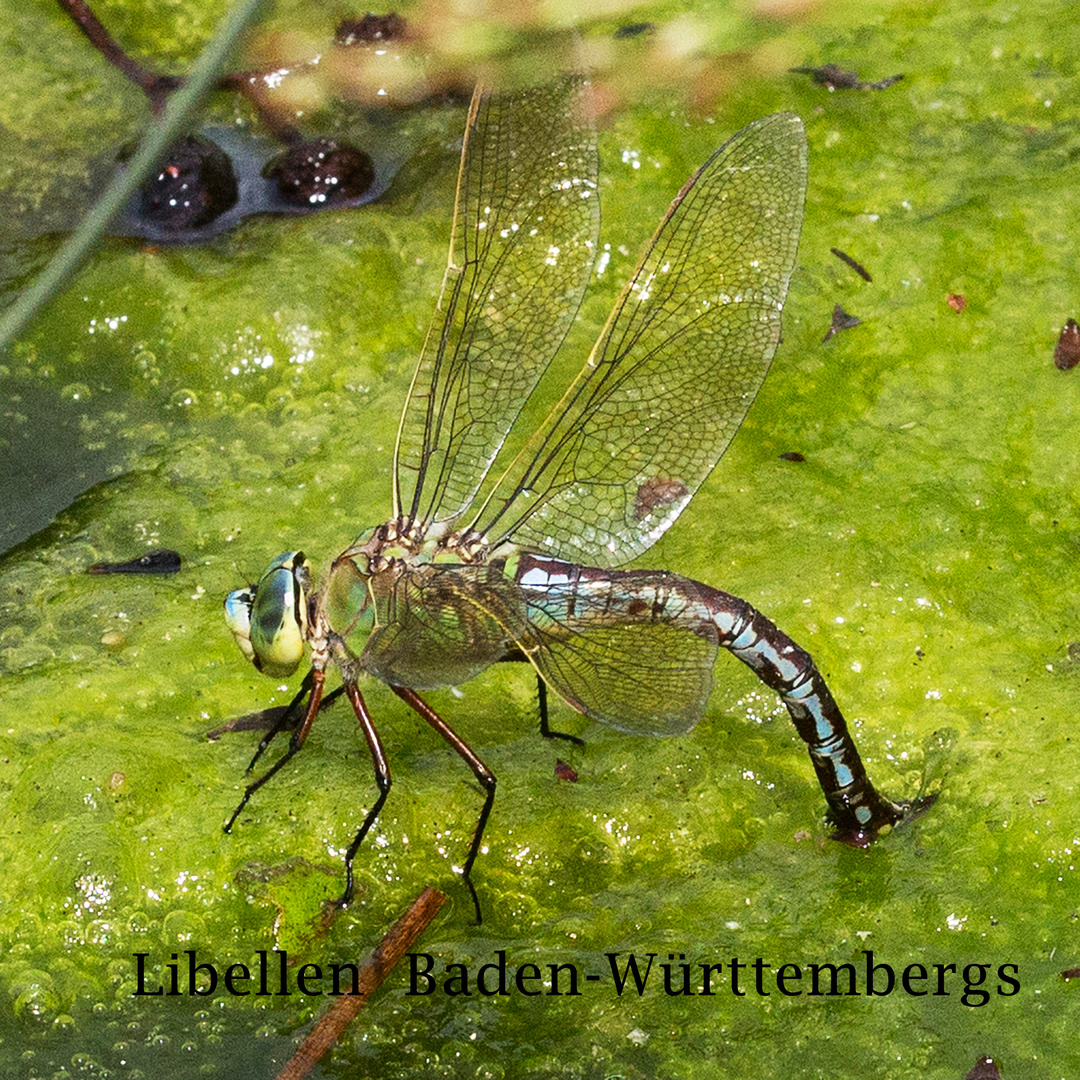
239 398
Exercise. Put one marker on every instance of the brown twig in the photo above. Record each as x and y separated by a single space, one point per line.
156 87
397 941
252 85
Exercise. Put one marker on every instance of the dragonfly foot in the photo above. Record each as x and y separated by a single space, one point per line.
476 902
861 818
857 837
549 734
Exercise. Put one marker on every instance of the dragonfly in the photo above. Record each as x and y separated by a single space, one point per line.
495 551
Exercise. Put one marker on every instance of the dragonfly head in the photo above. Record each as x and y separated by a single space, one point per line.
269 620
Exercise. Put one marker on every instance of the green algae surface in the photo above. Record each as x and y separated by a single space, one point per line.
239 399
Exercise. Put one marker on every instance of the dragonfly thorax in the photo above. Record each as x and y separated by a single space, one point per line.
409 543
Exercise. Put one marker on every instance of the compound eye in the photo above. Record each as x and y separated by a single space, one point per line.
238 619
271 624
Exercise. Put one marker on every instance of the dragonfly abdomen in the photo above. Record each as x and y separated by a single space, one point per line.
653 637
565 591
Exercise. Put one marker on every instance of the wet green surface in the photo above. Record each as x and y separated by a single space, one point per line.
239 399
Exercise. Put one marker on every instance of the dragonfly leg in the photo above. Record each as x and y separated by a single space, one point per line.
382 780
857 808
299 735
482 773
545 730
286 718
542 701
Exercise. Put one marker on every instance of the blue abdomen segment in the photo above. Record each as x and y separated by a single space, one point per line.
857 808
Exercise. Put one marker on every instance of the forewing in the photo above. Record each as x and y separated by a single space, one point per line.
679 363
524 239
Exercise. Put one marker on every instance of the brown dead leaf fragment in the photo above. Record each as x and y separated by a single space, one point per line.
370 28
158 561
565 772
957 302
841 320
835 78
658 492
985 1069
859 269
1067 350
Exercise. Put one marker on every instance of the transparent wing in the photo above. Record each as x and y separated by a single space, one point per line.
645 679
525 228
679 363
441 625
